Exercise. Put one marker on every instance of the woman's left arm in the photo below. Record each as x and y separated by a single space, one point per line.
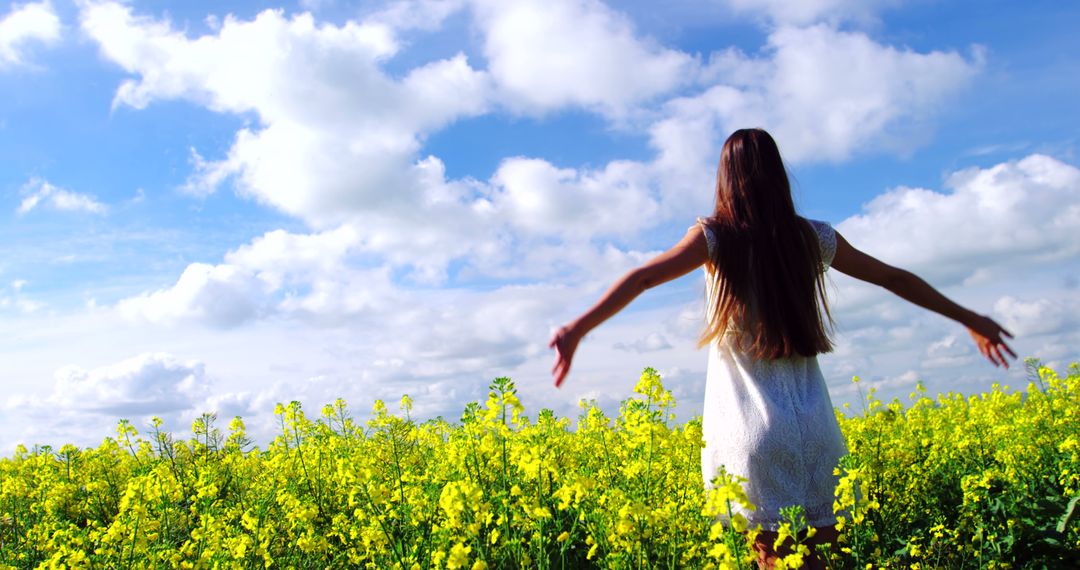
689 254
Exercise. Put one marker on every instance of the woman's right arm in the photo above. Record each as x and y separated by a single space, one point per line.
687 255
986 333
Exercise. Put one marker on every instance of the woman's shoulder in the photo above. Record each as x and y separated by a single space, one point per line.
826 238
818 225
706 229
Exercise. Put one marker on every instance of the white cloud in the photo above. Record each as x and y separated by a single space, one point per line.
306 276
547 55
995 219
999 229
364 172
279 256
338 139
219 295
315 280
23 25
538 198
239 68
824 94
323 278
337 136
416 14
28 305
84 405
1038 316
1058 356
16 298
142 385
950 350
39 193
650 343
446 333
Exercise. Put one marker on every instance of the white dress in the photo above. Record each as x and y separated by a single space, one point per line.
772 422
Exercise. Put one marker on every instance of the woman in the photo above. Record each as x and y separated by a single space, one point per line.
767 414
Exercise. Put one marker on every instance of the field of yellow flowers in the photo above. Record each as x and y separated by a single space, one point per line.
986 481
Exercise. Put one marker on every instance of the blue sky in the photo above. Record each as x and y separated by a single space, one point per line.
222 205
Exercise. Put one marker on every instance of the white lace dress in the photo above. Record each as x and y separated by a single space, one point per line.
772 422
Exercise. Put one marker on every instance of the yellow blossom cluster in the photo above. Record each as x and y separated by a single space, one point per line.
954 481
987 481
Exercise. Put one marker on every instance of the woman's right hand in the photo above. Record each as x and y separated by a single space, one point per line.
564 341
987 335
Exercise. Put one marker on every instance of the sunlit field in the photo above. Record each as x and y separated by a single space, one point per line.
947 481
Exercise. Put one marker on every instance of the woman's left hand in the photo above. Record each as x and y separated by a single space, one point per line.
989 337
565 342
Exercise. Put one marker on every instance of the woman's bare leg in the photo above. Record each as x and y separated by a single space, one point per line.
767 555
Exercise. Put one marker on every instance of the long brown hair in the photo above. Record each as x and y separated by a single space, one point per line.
767 274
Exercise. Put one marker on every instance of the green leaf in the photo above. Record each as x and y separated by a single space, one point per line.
1063 523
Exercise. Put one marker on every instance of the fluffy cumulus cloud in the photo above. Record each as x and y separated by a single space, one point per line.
447 334
1037 316
338 140
548 55
538 198
336 134
400 336
987 222
1002 228
826 94
218 295
144 384
25 25
84 405
38 193
307 276
319 283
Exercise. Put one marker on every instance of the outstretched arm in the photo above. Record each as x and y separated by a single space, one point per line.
684 257
986 333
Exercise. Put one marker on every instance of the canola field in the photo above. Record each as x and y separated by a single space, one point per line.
952 481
